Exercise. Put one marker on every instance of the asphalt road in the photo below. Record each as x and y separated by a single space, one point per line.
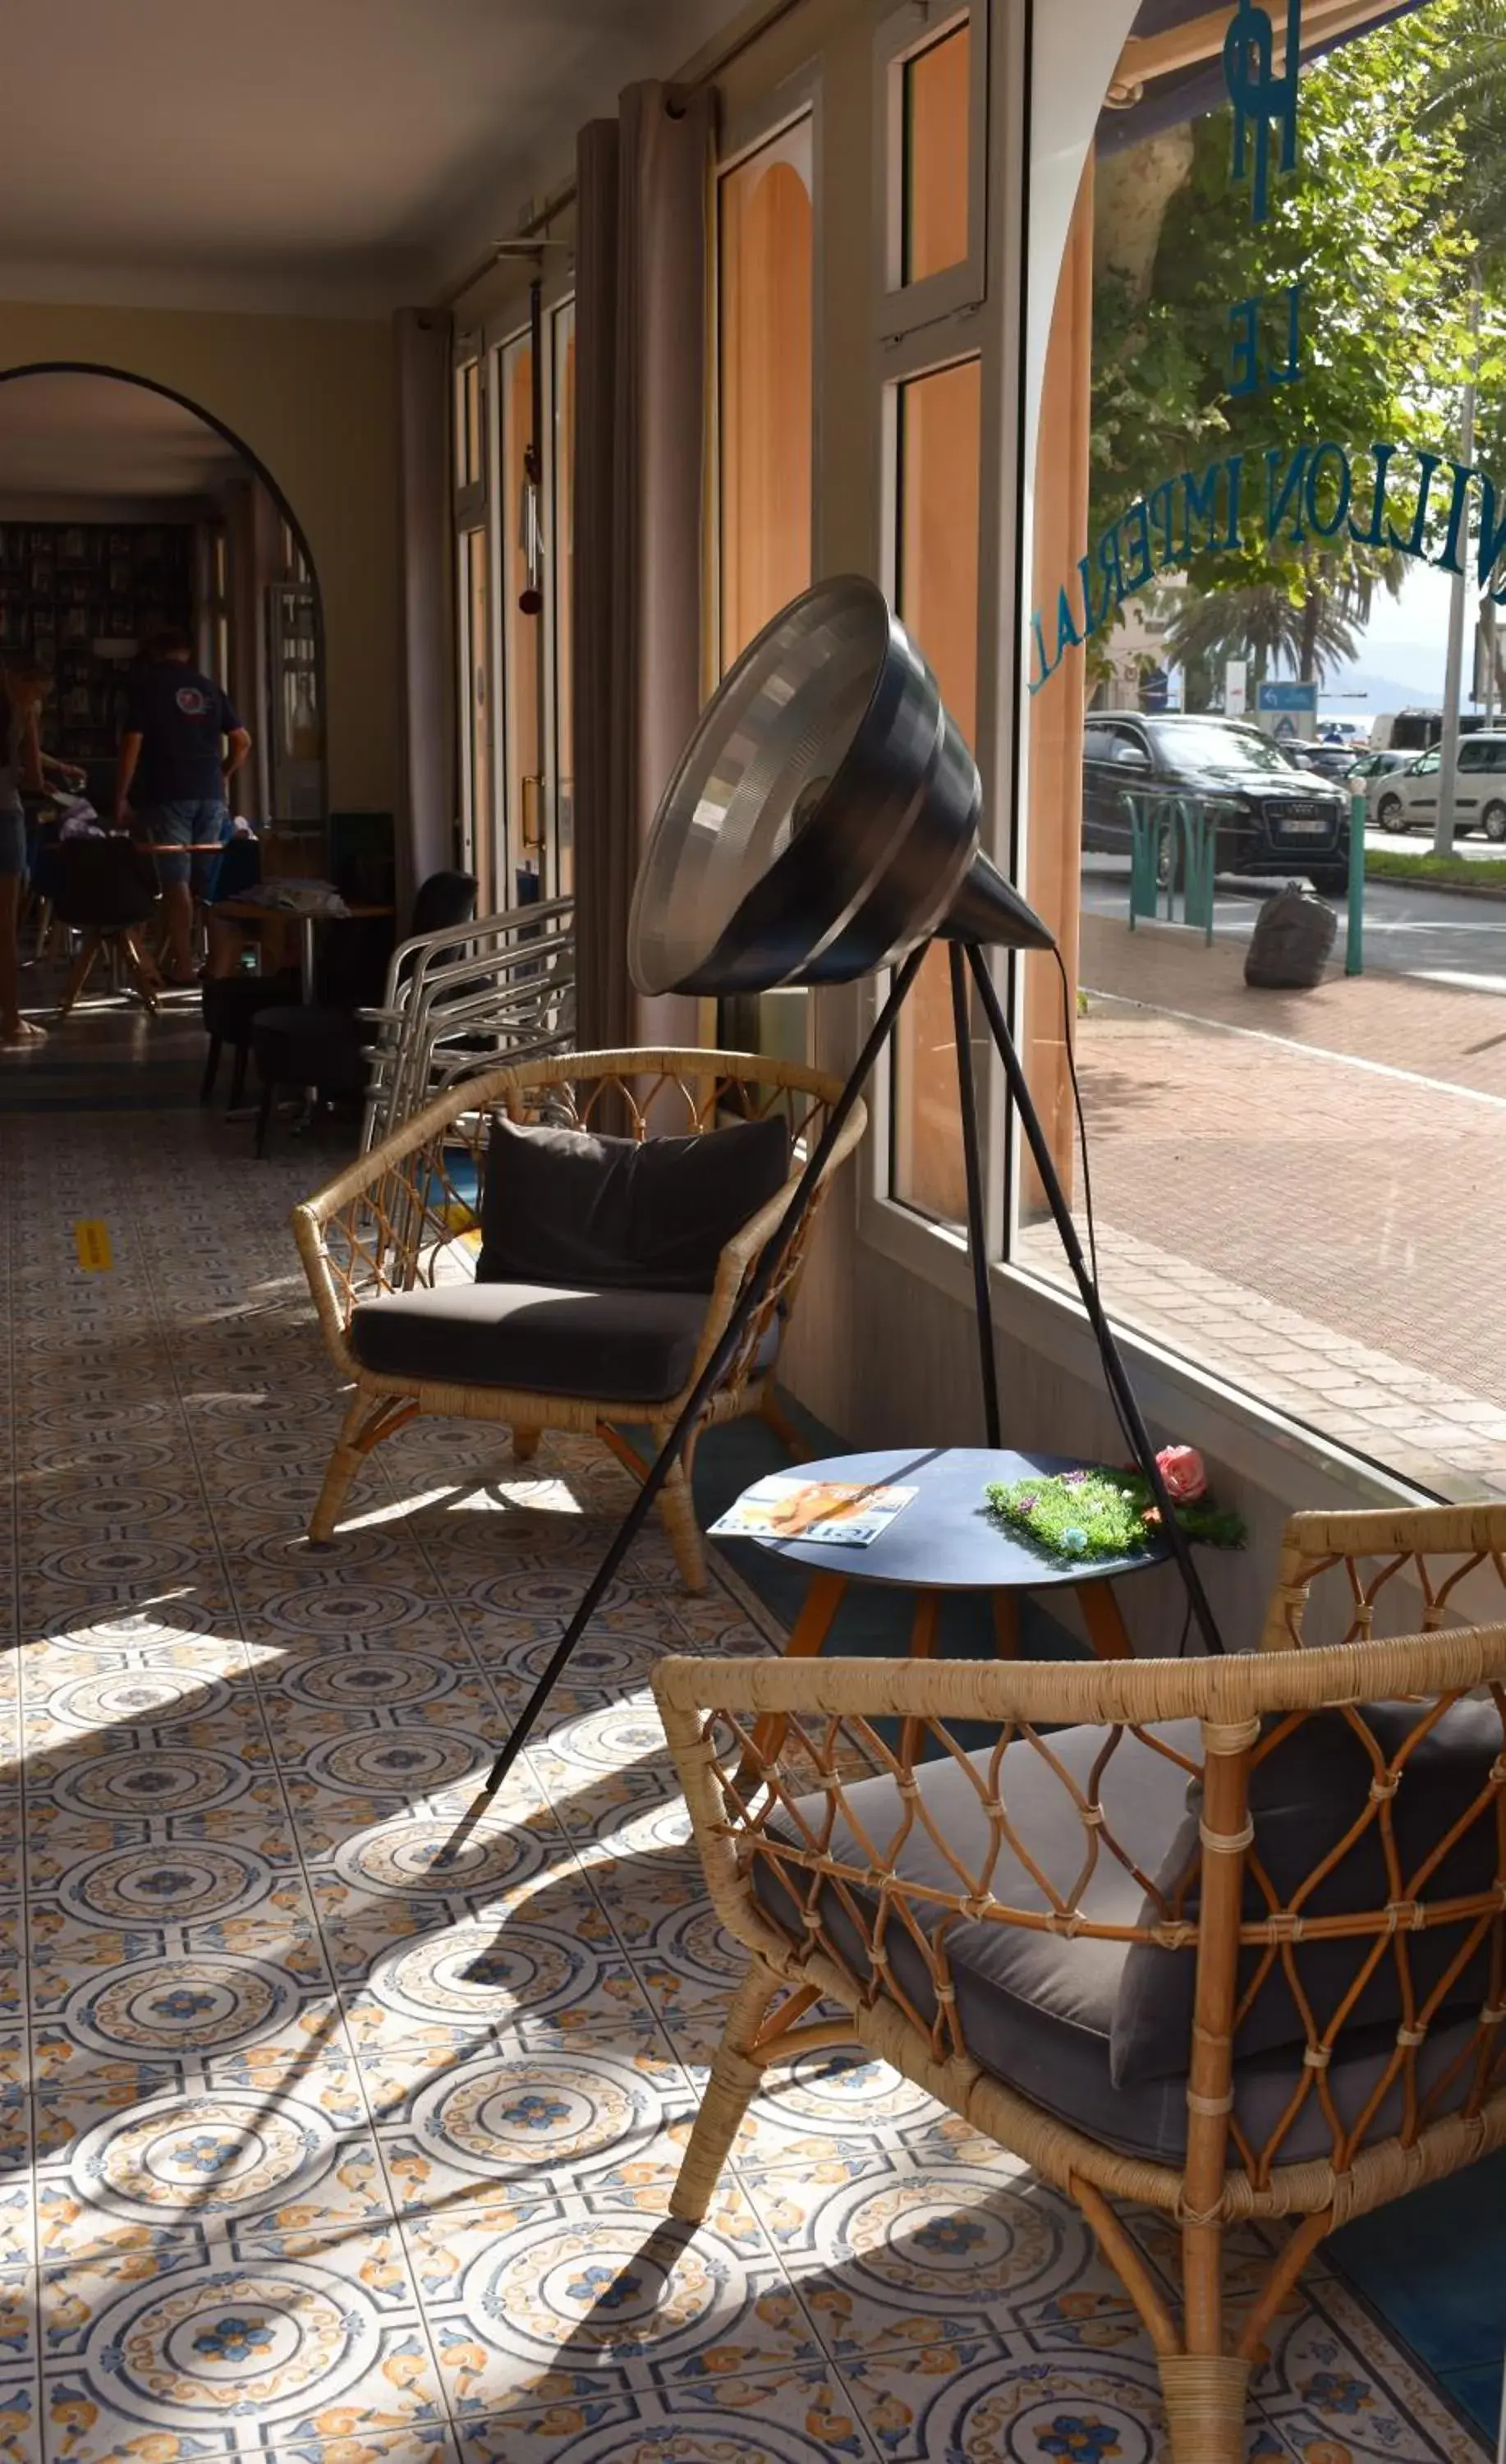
1420 933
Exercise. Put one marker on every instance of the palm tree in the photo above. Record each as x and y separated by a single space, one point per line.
1261 621
1311 634
1467 98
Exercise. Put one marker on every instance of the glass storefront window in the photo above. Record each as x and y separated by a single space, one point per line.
765 269
469 439
520 550
939 460
1264 497
936 176
475 640
765 414
563 878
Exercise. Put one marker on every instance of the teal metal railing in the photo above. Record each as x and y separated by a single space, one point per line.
1173 845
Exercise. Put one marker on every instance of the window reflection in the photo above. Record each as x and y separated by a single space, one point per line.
936 170
765 385
939 472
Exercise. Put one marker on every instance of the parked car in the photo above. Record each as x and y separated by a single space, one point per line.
1331 759
1273 815
1367 777
1408 799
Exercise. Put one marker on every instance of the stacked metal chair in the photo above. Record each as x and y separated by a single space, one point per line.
455 1004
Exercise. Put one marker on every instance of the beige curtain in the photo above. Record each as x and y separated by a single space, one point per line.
425 823
642 345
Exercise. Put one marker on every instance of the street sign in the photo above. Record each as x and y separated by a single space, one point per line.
1236 688
1296 700
1287 710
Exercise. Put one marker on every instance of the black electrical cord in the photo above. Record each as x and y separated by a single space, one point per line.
1069 1039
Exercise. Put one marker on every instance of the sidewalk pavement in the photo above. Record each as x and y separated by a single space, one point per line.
1313 1228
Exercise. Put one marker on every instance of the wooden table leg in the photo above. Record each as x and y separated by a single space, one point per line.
923 1646
1005 1624
811 1629
1104 1621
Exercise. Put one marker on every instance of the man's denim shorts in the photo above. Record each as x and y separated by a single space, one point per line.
190 826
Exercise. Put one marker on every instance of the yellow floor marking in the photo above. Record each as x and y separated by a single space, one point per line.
92 1241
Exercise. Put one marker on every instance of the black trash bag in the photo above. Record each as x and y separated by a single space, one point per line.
1292 943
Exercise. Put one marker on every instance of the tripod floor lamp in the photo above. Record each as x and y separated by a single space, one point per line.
824 826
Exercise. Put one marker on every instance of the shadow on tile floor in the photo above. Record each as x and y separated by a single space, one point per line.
313 2148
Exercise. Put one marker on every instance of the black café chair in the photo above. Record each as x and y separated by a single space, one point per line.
104 890
231 1003
320 1044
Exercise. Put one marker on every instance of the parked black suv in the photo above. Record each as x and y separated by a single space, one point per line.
1272 815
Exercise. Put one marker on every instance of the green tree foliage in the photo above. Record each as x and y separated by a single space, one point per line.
1466 97
1310 638
1373 226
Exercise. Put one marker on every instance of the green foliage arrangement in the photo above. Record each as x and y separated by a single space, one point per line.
1096 1515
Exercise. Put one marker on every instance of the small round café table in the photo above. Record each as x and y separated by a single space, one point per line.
945 1540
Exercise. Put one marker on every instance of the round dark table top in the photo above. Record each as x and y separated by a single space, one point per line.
944 1540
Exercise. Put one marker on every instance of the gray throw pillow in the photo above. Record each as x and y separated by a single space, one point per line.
1305 1796
565 1207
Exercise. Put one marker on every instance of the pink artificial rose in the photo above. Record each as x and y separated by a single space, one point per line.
1182 1470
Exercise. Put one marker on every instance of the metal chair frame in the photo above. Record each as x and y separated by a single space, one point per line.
508 977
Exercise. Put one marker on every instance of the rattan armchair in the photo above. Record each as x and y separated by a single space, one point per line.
1303 1900
403 1219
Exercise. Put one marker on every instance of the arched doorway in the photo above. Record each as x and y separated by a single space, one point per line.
110 478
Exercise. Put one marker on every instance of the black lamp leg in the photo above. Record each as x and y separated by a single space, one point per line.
757 1287
973 1164
1114 1370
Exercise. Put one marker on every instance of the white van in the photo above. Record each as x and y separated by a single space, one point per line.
1416 731
1408 800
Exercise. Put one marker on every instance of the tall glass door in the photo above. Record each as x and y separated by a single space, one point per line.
520 550
297 722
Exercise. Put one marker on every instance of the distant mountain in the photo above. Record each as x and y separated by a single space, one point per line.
1413 677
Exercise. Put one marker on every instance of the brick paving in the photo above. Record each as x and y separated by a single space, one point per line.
1315 1231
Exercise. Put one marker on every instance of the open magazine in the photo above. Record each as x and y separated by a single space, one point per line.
827 1513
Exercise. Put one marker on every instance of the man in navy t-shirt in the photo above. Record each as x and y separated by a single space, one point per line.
182 745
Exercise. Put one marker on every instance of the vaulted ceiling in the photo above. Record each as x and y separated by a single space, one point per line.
67 434
338 152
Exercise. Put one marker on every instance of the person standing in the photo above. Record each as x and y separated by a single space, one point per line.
21 690
181 747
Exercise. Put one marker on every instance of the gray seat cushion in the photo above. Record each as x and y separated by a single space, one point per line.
599 1214
1307 1793
1039 2010
619 1345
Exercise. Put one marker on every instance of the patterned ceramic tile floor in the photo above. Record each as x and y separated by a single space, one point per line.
308 2152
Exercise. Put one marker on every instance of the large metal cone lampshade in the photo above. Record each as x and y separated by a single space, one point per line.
823 820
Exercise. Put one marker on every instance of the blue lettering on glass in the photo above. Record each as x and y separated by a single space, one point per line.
1326 488
1244 359
1290 371
1260 97
1248 370
1284 492
1327 517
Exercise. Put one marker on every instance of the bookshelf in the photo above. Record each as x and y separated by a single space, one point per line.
66 589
